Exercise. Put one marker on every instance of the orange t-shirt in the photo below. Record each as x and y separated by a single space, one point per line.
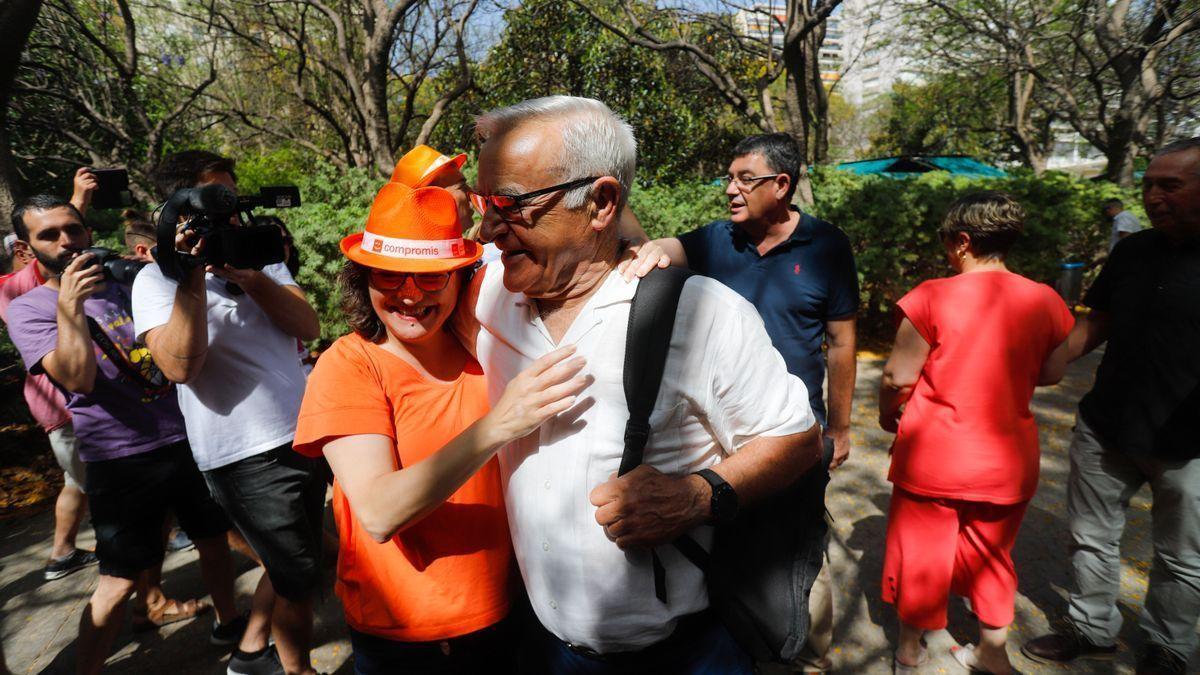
448 574
967 431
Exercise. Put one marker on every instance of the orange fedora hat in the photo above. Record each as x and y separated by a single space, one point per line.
419 166
412 230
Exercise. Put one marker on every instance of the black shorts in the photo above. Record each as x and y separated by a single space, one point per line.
130 497
277 500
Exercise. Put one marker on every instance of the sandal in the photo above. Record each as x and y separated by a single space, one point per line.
169 612
901 668
965 656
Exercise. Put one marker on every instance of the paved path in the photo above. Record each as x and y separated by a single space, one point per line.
38 621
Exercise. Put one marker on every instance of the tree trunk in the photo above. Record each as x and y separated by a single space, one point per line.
820 97
796 100
1120 156
17 18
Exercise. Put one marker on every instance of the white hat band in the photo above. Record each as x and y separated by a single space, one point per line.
413 248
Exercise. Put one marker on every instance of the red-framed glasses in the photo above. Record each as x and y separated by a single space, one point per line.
508 207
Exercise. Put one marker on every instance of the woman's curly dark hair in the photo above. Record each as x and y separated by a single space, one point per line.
356 302
353 284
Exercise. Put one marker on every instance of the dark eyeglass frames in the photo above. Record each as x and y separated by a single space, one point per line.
508 207
747 182
430 282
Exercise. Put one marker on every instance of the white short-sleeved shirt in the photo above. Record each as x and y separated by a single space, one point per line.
723 386
1123 222
246 398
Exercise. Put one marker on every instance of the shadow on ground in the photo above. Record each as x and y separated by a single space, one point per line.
38 620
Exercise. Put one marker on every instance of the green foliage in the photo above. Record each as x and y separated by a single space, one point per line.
548 47
335 204
892 225
937 119
669 210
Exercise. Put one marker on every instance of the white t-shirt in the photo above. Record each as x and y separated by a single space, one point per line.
1123 222
246 398
723 385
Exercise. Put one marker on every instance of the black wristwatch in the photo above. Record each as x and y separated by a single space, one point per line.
724 497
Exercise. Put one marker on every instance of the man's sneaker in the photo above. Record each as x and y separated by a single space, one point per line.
1067 644
179 541
265 663
1158 660
75 560
229 633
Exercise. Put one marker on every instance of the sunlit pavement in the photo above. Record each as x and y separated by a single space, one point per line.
39 620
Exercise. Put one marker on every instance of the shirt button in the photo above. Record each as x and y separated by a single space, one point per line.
547 485
553 605
545 546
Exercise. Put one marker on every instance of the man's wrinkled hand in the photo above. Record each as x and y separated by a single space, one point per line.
646 508
841 446
640 259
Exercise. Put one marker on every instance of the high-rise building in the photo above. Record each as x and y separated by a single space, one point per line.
874 50
766 20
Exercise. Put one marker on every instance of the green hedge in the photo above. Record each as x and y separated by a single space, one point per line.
892 225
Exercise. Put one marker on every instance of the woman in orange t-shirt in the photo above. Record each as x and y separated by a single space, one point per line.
970 349
400 410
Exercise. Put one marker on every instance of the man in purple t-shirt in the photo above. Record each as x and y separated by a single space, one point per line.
47 405
78 329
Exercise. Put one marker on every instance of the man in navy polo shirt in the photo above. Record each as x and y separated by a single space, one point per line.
799 272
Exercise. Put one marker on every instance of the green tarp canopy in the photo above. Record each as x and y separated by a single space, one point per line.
912 165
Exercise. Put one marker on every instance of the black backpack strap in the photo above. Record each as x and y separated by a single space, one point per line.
651 322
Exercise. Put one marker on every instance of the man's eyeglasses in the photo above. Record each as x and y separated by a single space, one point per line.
508 207
430 282
745 182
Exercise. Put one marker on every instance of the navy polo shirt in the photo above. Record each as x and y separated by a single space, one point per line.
797 286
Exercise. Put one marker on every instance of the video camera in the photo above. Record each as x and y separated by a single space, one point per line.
116 268
225 222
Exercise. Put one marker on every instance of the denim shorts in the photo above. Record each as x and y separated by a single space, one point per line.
277 500
129 498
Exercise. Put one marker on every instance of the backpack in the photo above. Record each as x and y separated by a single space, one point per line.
764 563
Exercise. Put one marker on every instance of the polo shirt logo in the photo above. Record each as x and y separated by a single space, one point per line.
796 269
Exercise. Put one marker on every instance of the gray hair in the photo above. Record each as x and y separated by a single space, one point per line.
1181 145
595 140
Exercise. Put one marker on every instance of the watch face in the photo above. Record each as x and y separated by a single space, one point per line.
724 503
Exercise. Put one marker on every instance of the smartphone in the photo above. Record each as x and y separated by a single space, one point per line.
113 191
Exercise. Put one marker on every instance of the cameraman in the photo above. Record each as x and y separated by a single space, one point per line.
233 352
76 328
46 403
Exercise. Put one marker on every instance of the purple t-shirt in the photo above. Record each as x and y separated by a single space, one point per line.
125 413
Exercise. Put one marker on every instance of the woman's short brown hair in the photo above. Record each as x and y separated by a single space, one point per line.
993 219
354 286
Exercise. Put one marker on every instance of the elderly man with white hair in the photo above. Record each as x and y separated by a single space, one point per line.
730 426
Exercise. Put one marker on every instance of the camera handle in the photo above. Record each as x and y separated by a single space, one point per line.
210 202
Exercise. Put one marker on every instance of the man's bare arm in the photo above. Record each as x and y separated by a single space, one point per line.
646 508
180 345
843 368
73 362
1088 334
